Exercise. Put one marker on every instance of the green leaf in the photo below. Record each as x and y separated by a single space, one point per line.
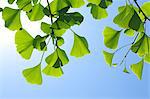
111 37
45 28
125 70
24 43
33 75
147 58
59 33
128 18
57 5
98 12
142 45
1 9
146 8
11 1
12 18
97 2
108 57
129 32
67 20
135 22
34 1
39 43
36 13
137 69
60 41
52 71
46 11
76 3
55 61
24 5
105 3
80 46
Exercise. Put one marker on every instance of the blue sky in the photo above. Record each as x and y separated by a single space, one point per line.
85 78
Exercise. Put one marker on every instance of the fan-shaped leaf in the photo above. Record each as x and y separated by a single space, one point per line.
97 2
76 3
36 13
147 58
24 43
11 1
60 41
111 37
80 46
137 69
25 5
45 28
33 75
129 32
12 18
146 8
108 57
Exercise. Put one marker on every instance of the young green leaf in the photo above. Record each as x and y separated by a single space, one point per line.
24 43
60 41
36 13
45 28
80 46
142 45
105 3
97 2
111 37
147 58
146 8
11 1
34 1
39 43
98 12
137 69
76 3
24 5
12 18
125 70
108 57
33 75
129 32
62 56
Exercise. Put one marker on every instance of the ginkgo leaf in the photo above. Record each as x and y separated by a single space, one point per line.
57 5
24 43
137 69
129 32
147 58
52 71
128 18
97 2
36 13
39 43
11 1
24 5
60 32
34 1
45 28
76 3
146 8
125 70
80 46
67 20
108 57
111 37
12 18
142 45
60 41
33 75
105 3
98 12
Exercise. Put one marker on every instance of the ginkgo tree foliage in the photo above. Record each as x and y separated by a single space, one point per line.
131 19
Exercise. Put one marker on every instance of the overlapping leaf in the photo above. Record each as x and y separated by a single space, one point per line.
76 3
11 1
24 5
108 57
146 8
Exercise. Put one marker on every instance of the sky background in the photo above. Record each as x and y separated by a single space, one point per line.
85 78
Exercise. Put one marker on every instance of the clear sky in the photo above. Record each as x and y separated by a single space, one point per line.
85 78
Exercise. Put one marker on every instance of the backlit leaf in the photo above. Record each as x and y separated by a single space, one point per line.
12 18
45 28
11 1
129 32
76 3
111 37
24 43
25 5
80 46
137 69
108 57
146 8
147 58
33 75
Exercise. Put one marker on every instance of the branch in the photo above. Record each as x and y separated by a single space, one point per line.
146 18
